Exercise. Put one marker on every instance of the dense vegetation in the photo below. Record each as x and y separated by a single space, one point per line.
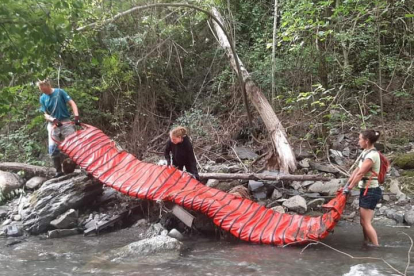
337 62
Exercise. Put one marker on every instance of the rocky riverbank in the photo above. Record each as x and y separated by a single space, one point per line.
77 204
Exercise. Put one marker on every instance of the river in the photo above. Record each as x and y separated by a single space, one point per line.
78 255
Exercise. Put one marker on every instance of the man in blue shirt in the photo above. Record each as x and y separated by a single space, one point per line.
53 103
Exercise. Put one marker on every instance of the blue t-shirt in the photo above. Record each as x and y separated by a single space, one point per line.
55 104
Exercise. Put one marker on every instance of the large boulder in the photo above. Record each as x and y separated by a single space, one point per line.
9 182
55 197
405 161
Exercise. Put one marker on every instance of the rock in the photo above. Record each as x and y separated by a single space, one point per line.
67 220
351 216
174 233
259 195
55 197
35 182
296 185
394 187
10 182
323 168
399 217
255 185
402 197
405 161
315 203
3 212
386 197
390 213
153 231
334 153
59 233
108 194
394 172
409 217
278 209
355 203
346 152
212 183
151 246
13 230
307 183
276 194
382 209
140 223
296 203
326 188
17 218
245 153
304 164
7 222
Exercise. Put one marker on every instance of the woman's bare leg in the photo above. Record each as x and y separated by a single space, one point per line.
369 232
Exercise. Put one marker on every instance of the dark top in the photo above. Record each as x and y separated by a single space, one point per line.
182 156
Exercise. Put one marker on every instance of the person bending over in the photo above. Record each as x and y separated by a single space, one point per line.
179 151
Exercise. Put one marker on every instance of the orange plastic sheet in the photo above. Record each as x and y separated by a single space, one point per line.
93 151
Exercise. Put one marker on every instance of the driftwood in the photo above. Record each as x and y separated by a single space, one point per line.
28 169
287 161
259 176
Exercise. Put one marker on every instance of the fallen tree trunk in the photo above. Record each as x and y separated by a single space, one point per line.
286 157
259 176
28 169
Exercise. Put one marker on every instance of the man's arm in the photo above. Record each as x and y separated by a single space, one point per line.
74 107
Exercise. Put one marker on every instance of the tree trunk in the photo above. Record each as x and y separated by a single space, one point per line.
287 161
274 44
259 176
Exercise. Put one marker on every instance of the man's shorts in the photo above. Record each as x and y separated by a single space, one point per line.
59 134
370 200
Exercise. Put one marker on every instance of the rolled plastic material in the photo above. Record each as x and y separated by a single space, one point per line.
93 151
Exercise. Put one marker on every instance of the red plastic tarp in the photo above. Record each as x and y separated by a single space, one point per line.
93 151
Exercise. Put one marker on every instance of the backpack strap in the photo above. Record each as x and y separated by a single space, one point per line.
373 173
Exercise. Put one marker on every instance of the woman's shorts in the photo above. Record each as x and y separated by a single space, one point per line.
370 200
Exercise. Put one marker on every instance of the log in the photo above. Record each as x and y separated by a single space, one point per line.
286 157
261 176
28 169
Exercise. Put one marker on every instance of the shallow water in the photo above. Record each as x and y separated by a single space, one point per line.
78 255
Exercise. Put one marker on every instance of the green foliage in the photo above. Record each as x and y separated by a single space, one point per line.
198 123
132 75
21 145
